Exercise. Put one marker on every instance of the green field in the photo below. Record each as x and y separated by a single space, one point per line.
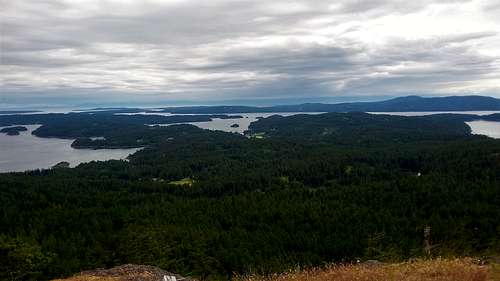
184 181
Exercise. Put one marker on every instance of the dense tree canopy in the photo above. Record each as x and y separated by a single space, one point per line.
296 196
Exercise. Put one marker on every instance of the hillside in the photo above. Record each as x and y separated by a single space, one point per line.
361 128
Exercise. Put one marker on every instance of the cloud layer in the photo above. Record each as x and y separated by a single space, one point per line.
205 51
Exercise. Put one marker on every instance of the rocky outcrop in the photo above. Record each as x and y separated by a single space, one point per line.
128 272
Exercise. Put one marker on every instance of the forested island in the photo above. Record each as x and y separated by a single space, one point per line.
112 130
299 190
13 131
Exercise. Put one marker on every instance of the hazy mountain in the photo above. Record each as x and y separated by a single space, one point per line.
409 103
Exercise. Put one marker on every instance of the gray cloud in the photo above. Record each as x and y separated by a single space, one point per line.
206 51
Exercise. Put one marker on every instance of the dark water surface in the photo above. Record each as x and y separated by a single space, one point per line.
28 152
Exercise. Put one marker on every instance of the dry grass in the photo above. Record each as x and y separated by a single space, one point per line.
465 269
421 270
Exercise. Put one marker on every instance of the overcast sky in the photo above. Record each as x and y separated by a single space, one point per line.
255 52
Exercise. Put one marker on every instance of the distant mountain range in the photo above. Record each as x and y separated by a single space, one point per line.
409 104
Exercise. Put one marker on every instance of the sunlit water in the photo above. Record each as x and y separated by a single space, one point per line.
243 123
487 128
480 127
28 152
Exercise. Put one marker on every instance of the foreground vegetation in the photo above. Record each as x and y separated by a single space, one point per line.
355 187
421 270
464 269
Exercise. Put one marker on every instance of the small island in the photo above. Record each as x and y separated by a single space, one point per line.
61 165
13 131
5 112
235 125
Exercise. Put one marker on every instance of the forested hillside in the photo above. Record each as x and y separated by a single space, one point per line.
363 128
339 187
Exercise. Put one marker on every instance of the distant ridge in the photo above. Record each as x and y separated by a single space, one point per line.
408 103
416 103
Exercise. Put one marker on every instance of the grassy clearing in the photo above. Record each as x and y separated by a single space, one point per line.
126 276
184 181
421 270
258 135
